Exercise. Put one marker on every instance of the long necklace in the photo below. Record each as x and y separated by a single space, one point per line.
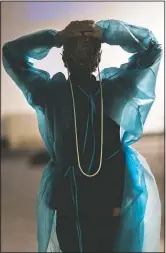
76 135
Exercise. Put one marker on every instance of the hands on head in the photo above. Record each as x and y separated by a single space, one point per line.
79 28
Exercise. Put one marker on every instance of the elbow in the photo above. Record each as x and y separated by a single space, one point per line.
5 51
5 56
160 49
154 47
9 57
5 48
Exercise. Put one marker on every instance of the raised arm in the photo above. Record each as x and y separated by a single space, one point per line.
16 62
137 40
34 82
130 89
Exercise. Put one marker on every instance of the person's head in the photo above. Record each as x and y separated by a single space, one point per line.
82 54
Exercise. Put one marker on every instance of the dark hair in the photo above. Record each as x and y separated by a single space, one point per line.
82 53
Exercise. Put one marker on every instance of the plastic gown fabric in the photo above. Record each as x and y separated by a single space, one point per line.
129 92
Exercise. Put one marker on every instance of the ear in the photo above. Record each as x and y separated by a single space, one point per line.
99 57
64 61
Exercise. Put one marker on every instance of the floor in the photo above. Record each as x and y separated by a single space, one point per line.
19 187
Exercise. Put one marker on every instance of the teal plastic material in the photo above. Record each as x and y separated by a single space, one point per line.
129 92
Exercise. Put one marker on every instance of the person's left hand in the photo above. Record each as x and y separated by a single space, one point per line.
74 29
97 32
116 211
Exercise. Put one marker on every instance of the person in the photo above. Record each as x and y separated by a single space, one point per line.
94 191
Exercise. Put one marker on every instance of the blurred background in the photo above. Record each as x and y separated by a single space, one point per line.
23 153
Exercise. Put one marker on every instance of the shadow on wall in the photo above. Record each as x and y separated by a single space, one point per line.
21 131
5 143
41 157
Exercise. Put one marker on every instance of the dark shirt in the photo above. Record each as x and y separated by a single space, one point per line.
110 179
94 198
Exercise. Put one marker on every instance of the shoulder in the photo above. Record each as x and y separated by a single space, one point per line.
57 88
116 81
109 78
56 83
58 77
109 73
51 91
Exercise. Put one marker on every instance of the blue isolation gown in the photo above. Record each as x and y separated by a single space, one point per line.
129 92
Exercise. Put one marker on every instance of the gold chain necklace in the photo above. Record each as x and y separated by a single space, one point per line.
76 135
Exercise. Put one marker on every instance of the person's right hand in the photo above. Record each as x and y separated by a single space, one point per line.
74 29
97 32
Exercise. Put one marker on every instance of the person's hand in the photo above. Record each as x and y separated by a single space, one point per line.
79 27
74 29
97 32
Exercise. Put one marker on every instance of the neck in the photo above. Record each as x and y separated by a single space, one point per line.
81 75
84 80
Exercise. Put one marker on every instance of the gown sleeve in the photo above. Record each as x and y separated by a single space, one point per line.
130 89
33 82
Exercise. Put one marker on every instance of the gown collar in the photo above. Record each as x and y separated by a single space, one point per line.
87 83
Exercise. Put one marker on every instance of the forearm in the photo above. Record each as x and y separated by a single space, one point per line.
16 62
131 38
35 45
